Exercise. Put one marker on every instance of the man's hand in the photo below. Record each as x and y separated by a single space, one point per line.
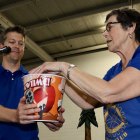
55 126
26 112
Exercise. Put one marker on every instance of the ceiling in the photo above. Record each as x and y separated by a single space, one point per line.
60 28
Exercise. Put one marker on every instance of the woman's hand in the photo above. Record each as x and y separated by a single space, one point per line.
51 67
55 126
26 112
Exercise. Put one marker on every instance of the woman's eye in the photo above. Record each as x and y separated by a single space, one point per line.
109 27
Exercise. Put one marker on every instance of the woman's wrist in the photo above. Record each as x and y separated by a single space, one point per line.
71 66
66 69
63 67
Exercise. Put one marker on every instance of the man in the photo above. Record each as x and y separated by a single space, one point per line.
15 116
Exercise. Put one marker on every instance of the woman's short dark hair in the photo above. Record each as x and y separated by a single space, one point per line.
127 17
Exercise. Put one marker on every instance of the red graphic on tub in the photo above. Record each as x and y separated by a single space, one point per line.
45 98
44 93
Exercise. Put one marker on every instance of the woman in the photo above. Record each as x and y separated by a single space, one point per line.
120 89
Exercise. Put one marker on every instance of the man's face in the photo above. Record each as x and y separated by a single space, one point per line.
16 42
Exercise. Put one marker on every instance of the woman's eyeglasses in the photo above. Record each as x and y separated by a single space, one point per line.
109 26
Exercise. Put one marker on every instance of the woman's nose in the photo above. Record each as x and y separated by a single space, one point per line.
105 33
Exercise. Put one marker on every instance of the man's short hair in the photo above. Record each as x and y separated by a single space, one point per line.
17 28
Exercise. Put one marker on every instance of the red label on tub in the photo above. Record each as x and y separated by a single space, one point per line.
46 90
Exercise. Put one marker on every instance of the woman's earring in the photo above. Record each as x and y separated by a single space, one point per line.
130 35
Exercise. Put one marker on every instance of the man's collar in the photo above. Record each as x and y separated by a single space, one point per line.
21 68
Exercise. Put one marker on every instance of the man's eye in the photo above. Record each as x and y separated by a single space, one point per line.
11 42
20 44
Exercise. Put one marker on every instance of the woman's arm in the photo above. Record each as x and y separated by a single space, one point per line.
80 98
122 87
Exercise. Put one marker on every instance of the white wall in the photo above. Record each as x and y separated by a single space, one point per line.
96 64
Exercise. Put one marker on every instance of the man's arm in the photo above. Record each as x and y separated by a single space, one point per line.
23 114
26 115
8 115
57 125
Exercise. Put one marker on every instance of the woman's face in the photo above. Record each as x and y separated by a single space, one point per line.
116 37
